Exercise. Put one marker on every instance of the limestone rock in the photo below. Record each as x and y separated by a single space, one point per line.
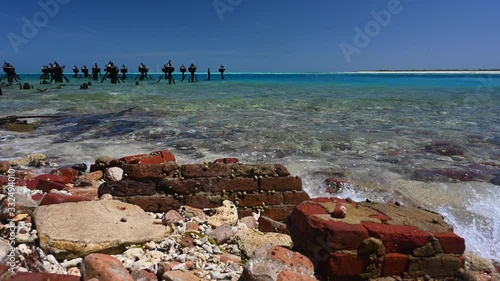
114 174
227 213
29 159
76 229
249 241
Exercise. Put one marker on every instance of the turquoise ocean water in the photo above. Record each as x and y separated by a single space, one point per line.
375 128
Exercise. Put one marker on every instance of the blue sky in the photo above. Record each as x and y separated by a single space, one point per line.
253 35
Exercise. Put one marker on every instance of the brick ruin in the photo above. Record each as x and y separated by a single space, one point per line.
156 183
351 241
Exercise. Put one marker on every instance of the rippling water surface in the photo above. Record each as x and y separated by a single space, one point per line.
378 129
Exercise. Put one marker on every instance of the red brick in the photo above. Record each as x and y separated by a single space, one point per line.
84 192
37 197
167 155
53 198
185 186
236 184
395 264
289 275
398 238
143 275
155 203
281 183
54 178
279 213
4 180
47 185
70 174
227 160
204 200
269 225
154 172
126 188
291 259
128 159
205 170
244 212
450 242
336 235
294 198
302 211
148 160
344 265
253 200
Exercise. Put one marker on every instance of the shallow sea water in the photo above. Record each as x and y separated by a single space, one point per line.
373 127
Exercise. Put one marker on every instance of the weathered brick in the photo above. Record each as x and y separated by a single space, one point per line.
32 183
336 235
227 160
185 186
154 172
253 200
156 203
244 212
85 192
442 265
450 242
236 184
251 170
281 183
54 198
278 213
148 160
269 225
294 198
167 155
205 170
395 264
398 238
340 265
128 159
70 174
47 185
125 188
204 200
301 212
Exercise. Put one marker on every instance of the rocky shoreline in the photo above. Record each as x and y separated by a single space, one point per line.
143 217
